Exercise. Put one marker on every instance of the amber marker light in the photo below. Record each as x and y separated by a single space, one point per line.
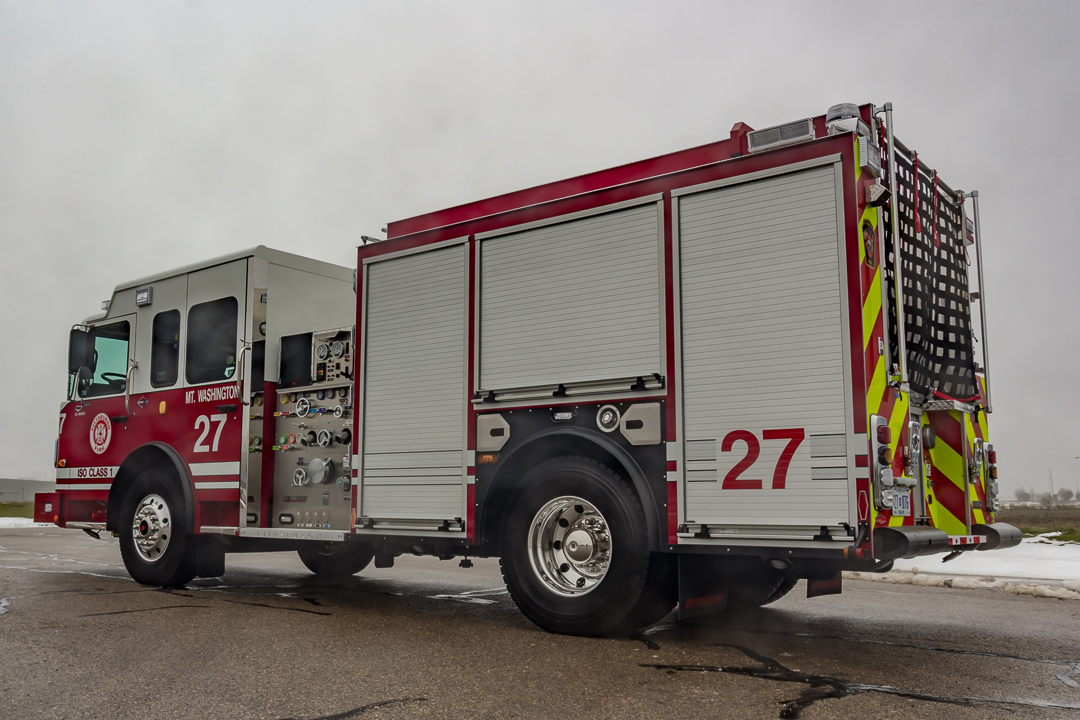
487 458
161 408
61 463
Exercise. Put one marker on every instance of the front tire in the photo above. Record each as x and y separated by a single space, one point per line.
154 544
575 552
334 559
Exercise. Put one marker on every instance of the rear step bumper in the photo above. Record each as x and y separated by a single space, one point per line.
891 543
998 536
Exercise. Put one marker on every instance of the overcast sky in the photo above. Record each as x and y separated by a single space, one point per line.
139 136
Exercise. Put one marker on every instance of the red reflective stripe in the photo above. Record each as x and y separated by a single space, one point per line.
918 222
948 494
470 512
936 241
673 512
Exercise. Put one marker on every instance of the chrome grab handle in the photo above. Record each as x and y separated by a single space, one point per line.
127 386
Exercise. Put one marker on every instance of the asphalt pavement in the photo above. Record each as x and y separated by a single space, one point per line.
427 639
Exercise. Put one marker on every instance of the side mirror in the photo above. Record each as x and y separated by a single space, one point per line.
80 347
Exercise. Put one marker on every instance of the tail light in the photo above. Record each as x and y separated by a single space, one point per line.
881 475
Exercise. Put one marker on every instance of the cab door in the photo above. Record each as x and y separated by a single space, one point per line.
214 417
95 423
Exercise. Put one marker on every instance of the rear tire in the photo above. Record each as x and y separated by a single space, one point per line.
334 559
746 591
156 547
575 552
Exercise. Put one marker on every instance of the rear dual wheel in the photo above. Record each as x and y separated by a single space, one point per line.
576 556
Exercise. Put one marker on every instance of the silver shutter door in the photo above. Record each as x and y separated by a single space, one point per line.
572 302
414 391
762 349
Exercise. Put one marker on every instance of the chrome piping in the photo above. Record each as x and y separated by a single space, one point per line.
974 195
894 200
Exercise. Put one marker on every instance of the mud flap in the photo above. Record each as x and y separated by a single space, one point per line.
209 557
702 586
825 585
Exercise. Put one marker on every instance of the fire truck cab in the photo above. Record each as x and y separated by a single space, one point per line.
173 411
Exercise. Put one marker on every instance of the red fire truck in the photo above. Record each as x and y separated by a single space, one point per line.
691 380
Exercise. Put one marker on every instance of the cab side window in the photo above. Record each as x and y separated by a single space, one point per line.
107 374
211 341
165 351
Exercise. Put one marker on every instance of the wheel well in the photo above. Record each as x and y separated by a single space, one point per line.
554 443
150 455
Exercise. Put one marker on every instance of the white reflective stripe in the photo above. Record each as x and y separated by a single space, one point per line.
217 485
470 479
72 473
859 442
672 451
87 486
672 476
470 457
215 468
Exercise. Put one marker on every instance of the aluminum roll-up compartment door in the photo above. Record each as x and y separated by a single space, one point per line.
575 301
763 360
414 387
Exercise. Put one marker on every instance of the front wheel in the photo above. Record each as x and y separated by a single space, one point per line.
575 552
334 559
155 546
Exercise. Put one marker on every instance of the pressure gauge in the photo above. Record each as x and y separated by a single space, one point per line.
337 349
322 352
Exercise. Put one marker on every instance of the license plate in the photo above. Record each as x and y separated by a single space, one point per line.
901 503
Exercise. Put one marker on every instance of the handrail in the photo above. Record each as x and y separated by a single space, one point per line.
245 347
898 273
127 386
974 195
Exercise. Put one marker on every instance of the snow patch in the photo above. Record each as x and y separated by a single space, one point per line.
11 522
1036 567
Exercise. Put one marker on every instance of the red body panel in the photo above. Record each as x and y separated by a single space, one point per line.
203 425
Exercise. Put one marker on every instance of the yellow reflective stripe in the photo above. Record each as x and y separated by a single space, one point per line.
946 521
898 419
871 309
877 387
949 462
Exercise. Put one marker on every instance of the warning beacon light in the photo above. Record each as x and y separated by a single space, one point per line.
844 118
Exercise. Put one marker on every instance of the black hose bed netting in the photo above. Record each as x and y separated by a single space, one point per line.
937 306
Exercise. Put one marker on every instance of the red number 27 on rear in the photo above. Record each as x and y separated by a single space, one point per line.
747 443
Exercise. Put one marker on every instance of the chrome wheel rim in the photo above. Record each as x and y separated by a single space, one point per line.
151 527
570 546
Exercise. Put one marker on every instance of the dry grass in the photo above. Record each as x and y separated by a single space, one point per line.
17 509
1037 520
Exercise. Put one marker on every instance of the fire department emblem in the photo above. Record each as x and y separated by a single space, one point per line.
100 433
870 244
